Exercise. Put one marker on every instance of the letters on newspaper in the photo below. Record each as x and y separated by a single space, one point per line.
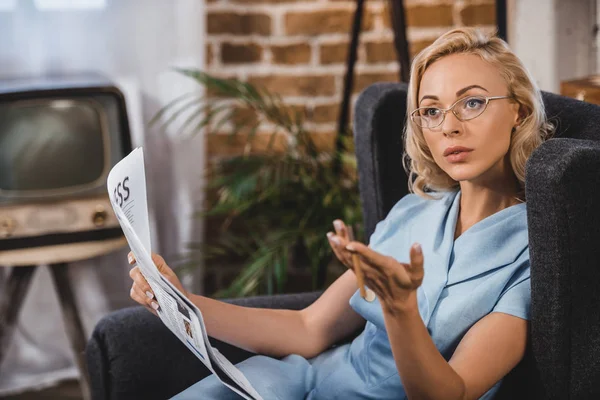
127 189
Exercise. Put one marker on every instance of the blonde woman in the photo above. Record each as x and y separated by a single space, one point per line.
447 270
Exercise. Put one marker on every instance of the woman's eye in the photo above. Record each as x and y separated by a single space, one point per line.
430 112
474 103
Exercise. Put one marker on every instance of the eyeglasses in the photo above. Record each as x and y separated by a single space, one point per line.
464 109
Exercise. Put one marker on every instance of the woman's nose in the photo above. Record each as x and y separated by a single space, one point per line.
451 124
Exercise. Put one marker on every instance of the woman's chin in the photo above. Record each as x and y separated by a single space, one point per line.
462 172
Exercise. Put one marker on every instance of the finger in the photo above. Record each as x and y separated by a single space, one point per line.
143 294
136 294
140 281
133 272
340 229
337 244
350 231
416 263
375 278
338 252
333 245
375 259
162 266
142 298
416 256
131 258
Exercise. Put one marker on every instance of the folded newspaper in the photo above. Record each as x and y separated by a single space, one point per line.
127 189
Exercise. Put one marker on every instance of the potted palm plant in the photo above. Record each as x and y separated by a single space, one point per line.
283 202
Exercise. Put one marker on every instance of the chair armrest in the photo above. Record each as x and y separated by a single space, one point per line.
562 190
132 354
294 301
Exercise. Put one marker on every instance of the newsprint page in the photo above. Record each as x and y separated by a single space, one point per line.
127 189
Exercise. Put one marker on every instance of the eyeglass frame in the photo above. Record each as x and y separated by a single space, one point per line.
451 108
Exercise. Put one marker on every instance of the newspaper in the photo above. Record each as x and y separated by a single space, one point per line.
127 189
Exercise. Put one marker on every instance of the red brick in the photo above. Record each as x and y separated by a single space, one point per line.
299 53
211 92
326 113
365 79
324 141
238 24
240 53
321 21
425 16
334 53
418 46
478 14
378 52
306 85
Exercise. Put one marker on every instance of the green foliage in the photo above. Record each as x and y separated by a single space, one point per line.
279 201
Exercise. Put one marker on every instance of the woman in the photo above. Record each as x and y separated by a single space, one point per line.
448 318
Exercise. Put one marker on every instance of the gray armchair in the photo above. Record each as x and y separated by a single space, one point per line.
563 177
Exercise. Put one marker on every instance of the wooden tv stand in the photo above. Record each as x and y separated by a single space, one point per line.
24 263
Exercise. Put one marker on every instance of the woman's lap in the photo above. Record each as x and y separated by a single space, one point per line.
272 378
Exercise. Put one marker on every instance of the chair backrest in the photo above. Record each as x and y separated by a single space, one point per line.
380 115
572 118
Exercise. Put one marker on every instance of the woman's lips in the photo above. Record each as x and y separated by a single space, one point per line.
457 157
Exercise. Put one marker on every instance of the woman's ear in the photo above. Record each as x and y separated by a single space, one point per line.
521 115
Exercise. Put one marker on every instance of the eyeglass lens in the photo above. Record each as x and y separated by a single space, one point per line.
465 109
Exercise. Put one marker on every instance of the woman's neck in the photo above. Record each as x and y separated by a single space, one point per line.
477 204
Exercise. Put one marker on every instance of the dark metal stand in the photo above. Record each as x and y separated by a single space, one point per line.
349 80
11 300
501 19
398 19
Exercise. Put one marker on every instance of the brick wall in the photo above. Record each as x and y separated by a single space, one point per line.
298 49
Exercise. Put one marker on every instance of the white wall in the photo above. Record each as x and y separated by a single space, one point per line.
134 42
554 38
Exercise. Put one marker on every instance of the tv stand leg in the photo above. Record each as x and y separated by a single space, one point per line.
11 300
72 322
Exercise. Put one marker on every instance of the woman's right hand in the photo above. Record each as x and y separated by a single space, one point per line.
141 291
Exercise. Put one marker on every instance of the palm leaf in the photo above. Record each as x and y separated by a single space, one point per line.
170 105
274 199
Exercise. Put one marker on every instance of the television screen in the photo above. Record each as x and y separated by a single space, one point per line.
52 144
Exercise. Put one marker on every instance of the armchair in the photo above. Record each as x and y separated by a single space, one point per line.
563 353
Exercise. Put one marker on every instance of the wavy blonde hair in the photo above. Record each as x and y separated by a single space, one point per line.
423 172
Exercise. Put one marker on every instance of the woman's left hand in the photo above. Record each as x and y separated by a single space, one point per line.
394 283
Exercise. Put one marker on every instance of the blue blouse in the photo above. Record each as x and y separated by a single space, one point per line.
486 269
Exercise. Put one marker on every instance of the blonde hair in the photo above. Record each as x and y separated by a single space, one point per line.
423 172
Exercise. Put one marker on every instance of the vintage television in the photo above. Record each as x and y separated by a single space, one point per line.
59 138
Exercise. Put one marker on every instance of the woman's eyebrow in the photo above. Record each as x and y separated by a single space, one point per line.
458 94
428 97
466 89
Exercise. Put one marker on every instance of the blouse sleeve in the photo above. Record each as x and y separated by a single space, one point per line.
516 300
